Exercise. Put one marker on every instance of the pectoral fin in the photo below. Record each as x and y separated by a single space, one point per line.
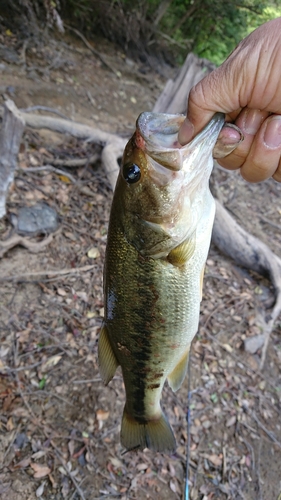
107 359
183 252
177 376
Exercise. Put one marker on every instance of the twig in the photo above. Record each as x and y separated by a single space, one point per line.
58 455
54 272
21 368
14 434
74 493
91 99
97 379
32 246
44 108
50 394
258 471
50 168
270 222
268 433
76 162
94 51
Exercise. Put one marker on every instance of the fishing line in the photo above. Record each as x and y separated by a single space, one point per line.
188 422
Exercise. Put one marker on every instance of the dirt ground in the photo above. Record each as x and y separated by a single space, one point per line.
59 426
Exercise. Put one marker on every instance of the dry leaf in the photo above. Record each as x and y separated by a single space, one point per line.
62 292
40 470
142 466
102 414
22 464
231 421
173 486
71 447
65 179
38 454
93 253
215 459
83 296
70 236
10 424
227 347
117 463
91 314
52 361
40 490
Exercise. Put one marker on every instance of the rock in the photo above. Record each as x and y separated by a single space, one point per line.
38 219
253 344
9 55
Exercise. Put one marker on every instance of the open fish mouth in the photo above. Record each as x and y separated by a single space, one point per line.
160 138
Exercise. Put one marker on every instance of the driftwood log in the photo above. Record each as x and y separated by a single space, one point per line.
229 237
10 137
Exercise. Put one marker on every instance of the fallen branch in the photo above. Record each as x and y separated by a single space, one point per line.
10 137
44 108
49 168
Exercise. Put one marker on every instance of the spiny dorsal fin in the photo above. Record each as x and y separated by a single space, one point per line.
107 359
183 252
177 376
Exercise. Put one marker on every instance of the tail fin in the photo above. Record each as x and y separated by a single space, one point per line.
154 434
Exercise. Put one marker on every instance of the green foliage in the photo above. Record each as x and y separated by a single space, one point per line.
210 28
213 28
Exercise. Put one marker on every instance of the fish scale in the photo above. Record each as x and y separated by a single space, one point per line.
158 240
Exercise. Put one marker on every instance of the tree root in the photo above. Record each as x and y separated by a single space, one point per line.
32 246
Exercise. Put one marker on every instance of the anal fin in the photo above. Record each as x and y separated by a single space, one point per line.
107 359
177 376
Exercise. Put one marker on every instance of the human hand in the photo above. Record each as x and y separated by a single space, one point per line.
247 87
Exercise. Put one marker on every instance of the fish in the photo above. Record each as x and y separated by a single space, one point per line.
158 239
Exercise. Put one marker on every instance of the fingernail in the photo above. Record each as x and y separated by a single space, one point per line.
272 133
230 134
186 132
251 121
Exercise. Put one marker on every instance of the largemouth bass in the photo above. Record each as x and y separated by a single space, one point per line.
158 239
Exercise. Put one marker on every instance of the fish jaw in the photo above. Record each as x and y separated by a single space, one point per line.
179 173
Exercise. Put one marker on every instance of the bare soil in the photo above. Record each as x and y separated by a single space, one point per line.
59 426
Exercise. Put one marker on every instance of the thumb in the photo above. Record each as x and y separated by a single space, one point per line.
205 99
217 92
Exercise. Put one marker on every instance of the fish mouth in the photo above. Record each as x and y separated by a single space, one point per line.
159 132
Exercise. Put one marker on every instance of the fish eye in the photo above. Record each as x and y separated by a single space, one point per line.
131 173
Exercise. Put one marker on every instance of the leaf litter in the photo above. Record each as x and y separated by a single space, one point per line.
59 426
